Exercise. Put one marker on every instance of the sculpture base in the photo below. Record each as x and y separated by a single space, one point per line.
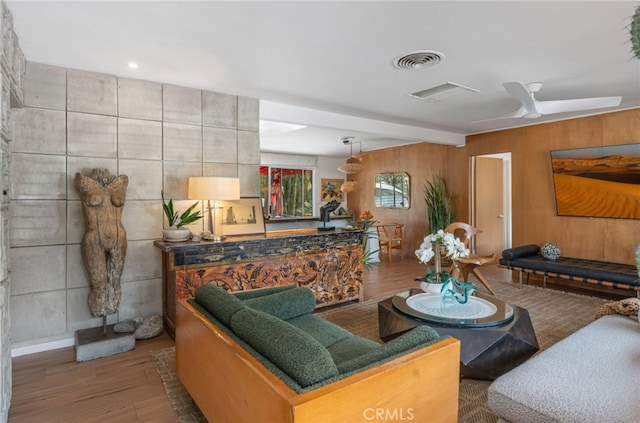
96 343
326 228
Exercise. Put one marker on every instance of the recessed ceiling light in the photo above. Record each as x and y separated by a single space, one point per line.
132 65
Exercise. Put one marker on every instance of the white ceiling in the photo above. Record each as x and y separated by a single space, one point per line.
328 65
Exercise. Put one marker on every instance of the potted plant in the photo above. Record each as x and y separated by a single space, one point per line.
177 220
439 207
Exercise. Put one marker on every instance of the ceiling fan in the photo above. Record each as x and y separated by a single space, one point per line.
533 109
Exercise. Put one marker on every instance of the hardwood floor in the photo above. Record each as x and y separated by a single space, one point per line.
53 387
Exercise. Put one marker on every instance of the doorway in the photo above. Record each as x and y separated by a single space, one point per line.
491 202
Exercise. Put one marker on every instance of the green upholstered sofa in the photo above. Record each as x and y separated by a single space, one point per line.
262 355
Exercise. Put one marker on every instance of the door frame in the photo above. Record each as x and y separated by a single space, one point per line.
506 190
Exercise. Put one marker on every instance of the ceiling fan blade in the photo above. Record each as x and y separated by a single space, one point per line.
520 91
515 115
564 106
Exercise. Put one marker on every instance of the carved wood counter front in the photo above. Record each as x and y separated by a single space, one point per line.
330 263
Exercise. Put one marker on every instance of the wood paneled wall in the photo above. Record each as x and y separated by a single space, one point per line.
420 161
534 215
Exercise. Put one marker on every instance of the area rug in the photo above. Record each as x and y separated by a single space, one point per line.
554 315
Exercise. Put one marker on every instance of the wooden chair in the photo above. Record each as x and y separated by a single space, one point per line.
470 264
393 242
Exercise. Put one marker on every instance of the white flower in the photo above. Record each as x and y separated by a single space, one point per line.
453 247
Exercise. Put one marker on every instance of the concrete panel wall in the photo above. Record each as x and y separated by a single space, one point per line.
156 134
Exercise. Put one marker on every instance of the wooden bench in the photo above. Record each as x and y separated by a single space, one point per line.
525 259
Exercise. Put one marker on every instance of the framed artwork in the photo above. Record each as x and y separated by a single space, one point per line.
242 217
331 189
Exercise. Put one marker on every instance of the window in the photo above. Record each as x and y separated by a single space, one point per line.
287 192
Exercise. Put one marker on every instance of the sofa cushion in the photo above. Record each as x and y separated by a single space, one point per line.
218 302
350 348
297 353
285 304
416 337
589 376
323 331
259 292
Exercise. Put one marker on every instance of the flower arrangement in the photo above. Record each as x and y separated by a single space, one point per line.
438 245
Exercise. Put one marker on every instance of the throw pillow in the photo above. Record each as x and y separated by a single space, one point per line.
550 251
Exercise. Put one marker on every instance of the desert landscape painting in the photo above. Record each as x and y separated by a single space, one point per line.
598 182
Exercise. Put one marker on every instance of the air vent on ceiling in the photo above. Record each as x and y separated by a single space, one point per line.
418 60
442 92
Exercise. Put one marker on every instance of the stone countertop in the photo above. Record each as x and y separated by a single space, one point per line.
251 247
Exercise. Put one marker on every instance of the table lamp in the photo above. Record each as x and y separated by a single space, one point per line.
213 189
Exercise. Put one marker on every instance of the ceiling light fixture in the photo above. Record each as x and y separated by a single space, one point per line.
353 164
132 65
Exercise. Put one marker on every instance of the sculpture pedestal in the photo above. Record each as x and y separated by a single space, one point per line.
95 343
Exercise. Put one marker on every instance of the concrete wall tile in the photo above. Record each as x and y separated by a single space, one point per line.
143 219
220 145
139 139
249 180
90 92
92 135
139 99
77 276
182 142
38 315
37 222
181 105
76 225
42 177
78 313
219 110
248 114
39 131
143 261
229 170
45 86
248 147
85 166
37 269
176 178
141 299
145 179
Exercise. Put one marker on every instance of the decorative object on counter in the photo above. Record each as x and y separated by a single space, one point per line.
176 221
550 251
330 189
242 217
353 164
370 235
325 213
439 204
436 246
214 189
634 33
104 244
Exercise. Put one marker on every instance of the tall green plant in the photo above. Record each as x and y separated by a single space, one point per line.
439 204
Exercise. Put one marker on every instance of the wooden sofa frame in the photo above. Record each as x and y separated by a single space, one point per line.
230 385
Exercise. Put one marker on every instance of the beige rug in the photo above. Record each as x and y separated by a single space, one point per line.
554 315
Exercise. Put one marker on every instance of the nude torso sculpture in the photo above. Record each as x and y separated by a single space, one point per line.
104 245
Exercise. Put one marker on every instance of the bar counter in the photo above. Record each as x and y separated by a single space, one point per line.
328 262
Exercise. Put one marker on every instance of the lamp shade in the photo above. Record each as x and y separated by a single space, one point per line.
213 188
